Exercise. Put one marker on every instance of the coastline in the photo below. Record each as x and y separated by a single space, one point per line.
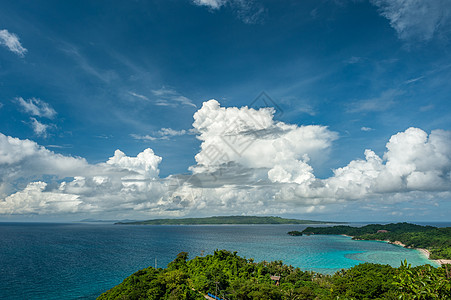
441 262
425 252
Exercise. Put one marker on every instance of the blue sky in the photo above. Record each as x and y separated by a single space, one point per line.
81 79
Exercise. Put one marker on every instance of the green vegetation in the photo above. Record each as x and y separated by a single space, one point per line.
295 233
232 277
436 240
225 220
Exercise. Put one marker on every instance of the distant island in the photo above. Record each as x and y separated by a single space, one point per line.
226 220
434 242
225 275
103 221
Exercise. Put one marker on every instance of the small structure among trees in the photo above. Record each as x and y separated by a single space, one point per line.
276 279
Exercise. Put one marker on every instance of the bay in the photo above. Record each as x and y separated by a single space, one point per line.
80 261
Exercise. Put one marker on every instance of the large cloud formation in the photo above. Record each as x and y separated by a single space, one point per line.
248 163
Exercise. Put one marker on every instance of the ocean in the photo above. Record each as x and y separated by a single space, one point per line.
80 261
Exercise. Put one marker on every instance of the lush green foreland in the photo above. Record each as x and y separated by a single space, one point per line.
226 220
229 276
436 240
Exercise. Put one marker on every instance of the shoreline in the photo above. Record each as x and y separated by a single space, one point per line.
423 251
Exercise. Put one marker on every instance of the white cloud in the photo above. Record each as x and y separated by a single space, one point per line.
170 97
33 200
121 183
253 139
143 137
366 128
162 134
11 41
168 132
416 19
39 128
413 80
36 107
138 96
272 174
213 4
413 162
144 165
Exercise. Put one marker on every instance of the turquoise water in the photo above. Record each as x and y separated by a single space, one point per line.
80 261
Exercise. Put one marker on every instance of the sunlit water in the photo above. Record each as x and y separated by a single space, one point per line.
80 261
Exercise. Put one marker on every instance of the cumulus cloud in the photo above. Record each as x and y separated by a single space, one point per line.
144 165
416 19
36 107
32 199
247 163
254 140
122 182
11 41
414 162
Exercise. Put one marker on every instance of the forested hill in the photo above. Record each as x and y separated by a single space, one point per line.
436 240
226 220
231 277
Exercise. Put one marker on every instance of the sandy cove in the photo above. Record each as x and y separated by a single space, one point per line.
425 252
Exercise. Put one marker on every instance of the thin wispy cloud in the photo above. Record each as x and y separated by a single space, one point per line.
213 4
427 107
247 11
162 134
170 97
416 20
413 80
86 65
39 128
36 107
354 60
58 146
143 137
366 128
138 96
11 41
377 104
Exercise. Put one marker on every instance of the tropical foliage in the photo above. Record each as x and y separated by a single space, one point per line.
229 276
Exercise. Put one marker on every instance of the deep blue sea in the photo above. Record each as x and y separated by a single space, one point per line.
80 261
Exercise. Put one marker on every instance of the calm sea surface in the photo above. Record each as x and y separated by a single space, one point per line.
80 261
